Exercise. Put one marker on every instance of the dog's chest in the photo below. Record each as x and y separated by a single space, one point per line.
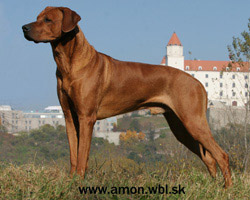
66 86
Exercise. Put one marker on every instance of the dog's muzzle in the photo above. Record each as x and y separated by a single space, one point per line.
26 30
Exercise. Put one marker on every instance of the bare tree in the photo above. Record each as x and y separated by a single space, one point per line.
239 54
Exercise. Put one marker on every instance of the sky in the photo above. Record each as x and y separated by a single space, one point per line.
131 30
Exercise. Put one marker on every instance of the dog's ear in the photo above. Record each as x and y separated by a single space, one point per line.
70 19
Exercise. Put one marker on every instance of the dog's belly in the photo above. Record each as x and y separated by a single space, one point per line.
157 104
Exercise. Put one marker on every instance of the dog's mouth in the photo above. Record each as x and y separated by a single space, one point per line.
29 38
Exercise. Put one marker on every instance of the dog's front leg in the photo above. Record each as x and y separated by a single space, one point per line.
72 125
86 128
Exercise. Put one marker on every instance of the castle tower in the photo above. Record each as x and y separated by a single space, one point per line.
174 57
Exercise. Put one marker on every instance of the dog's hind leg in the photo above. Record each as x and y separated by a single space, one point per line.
185 138
200 131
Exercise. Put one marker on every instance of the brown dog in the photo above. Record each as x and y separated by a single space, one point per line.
92 86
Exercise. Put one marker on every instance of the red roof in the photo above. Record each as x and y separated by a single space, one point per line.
174 40
207 65
163 61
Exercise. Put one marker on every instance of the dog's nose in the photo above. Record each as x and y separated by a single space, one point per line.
26 28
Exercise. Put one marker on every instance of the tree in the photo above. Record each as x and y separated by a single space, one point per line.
239 54
135 125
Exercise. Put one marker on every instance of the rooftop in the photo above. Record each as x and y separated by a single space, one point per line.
174 40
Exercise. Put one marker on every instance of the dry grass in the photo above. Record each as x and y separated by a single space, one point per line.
31 181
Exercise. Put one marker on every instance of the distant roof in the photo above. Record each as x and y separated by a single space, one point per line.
174 40
163 61
5 108
53 108
210 65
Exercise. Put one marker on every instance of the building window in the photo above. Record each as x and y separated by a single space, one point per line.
206 75
246 77
233 85
192 75
227 68
221 93
215 68
206 84
245 94
200 68
233 76
233 94
221 84
221 75
246 85
187 67
238 69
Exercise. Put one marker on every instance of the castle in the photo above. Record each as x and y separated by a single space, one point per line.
229 85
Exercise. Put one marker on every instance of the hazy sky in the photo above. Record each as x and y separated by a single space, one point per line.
134 30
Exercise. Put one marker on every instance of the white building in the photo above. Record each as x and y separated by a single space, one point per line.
222 83
16 120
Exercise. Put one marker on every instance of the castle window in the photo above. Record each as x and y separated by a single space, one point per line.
215 68
238 69
233 94
221 93
245 94
206 84
233 76
233 85
206 75
192 75
221 84
187 67
221 75
246 85
200 68
246 77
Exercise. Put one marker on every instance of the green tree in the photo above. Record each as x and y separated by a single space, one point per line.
135 125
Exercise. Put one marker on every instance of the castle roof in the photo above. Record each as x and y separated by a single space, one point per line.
174 40
163 61
211 65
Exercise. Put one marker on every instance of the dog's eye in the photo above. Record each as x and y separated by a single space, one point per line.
47 20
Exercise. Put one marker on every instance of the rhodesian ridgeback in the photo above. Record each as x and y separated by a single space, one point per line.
93 86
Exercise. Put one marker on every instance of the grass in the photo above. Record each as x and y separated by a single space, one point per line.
31 181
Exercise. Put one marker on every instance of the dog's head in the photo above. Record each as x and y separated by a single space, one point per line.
51 24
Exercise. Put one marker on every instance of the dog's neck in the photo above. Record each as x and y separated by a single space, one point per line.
71 48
